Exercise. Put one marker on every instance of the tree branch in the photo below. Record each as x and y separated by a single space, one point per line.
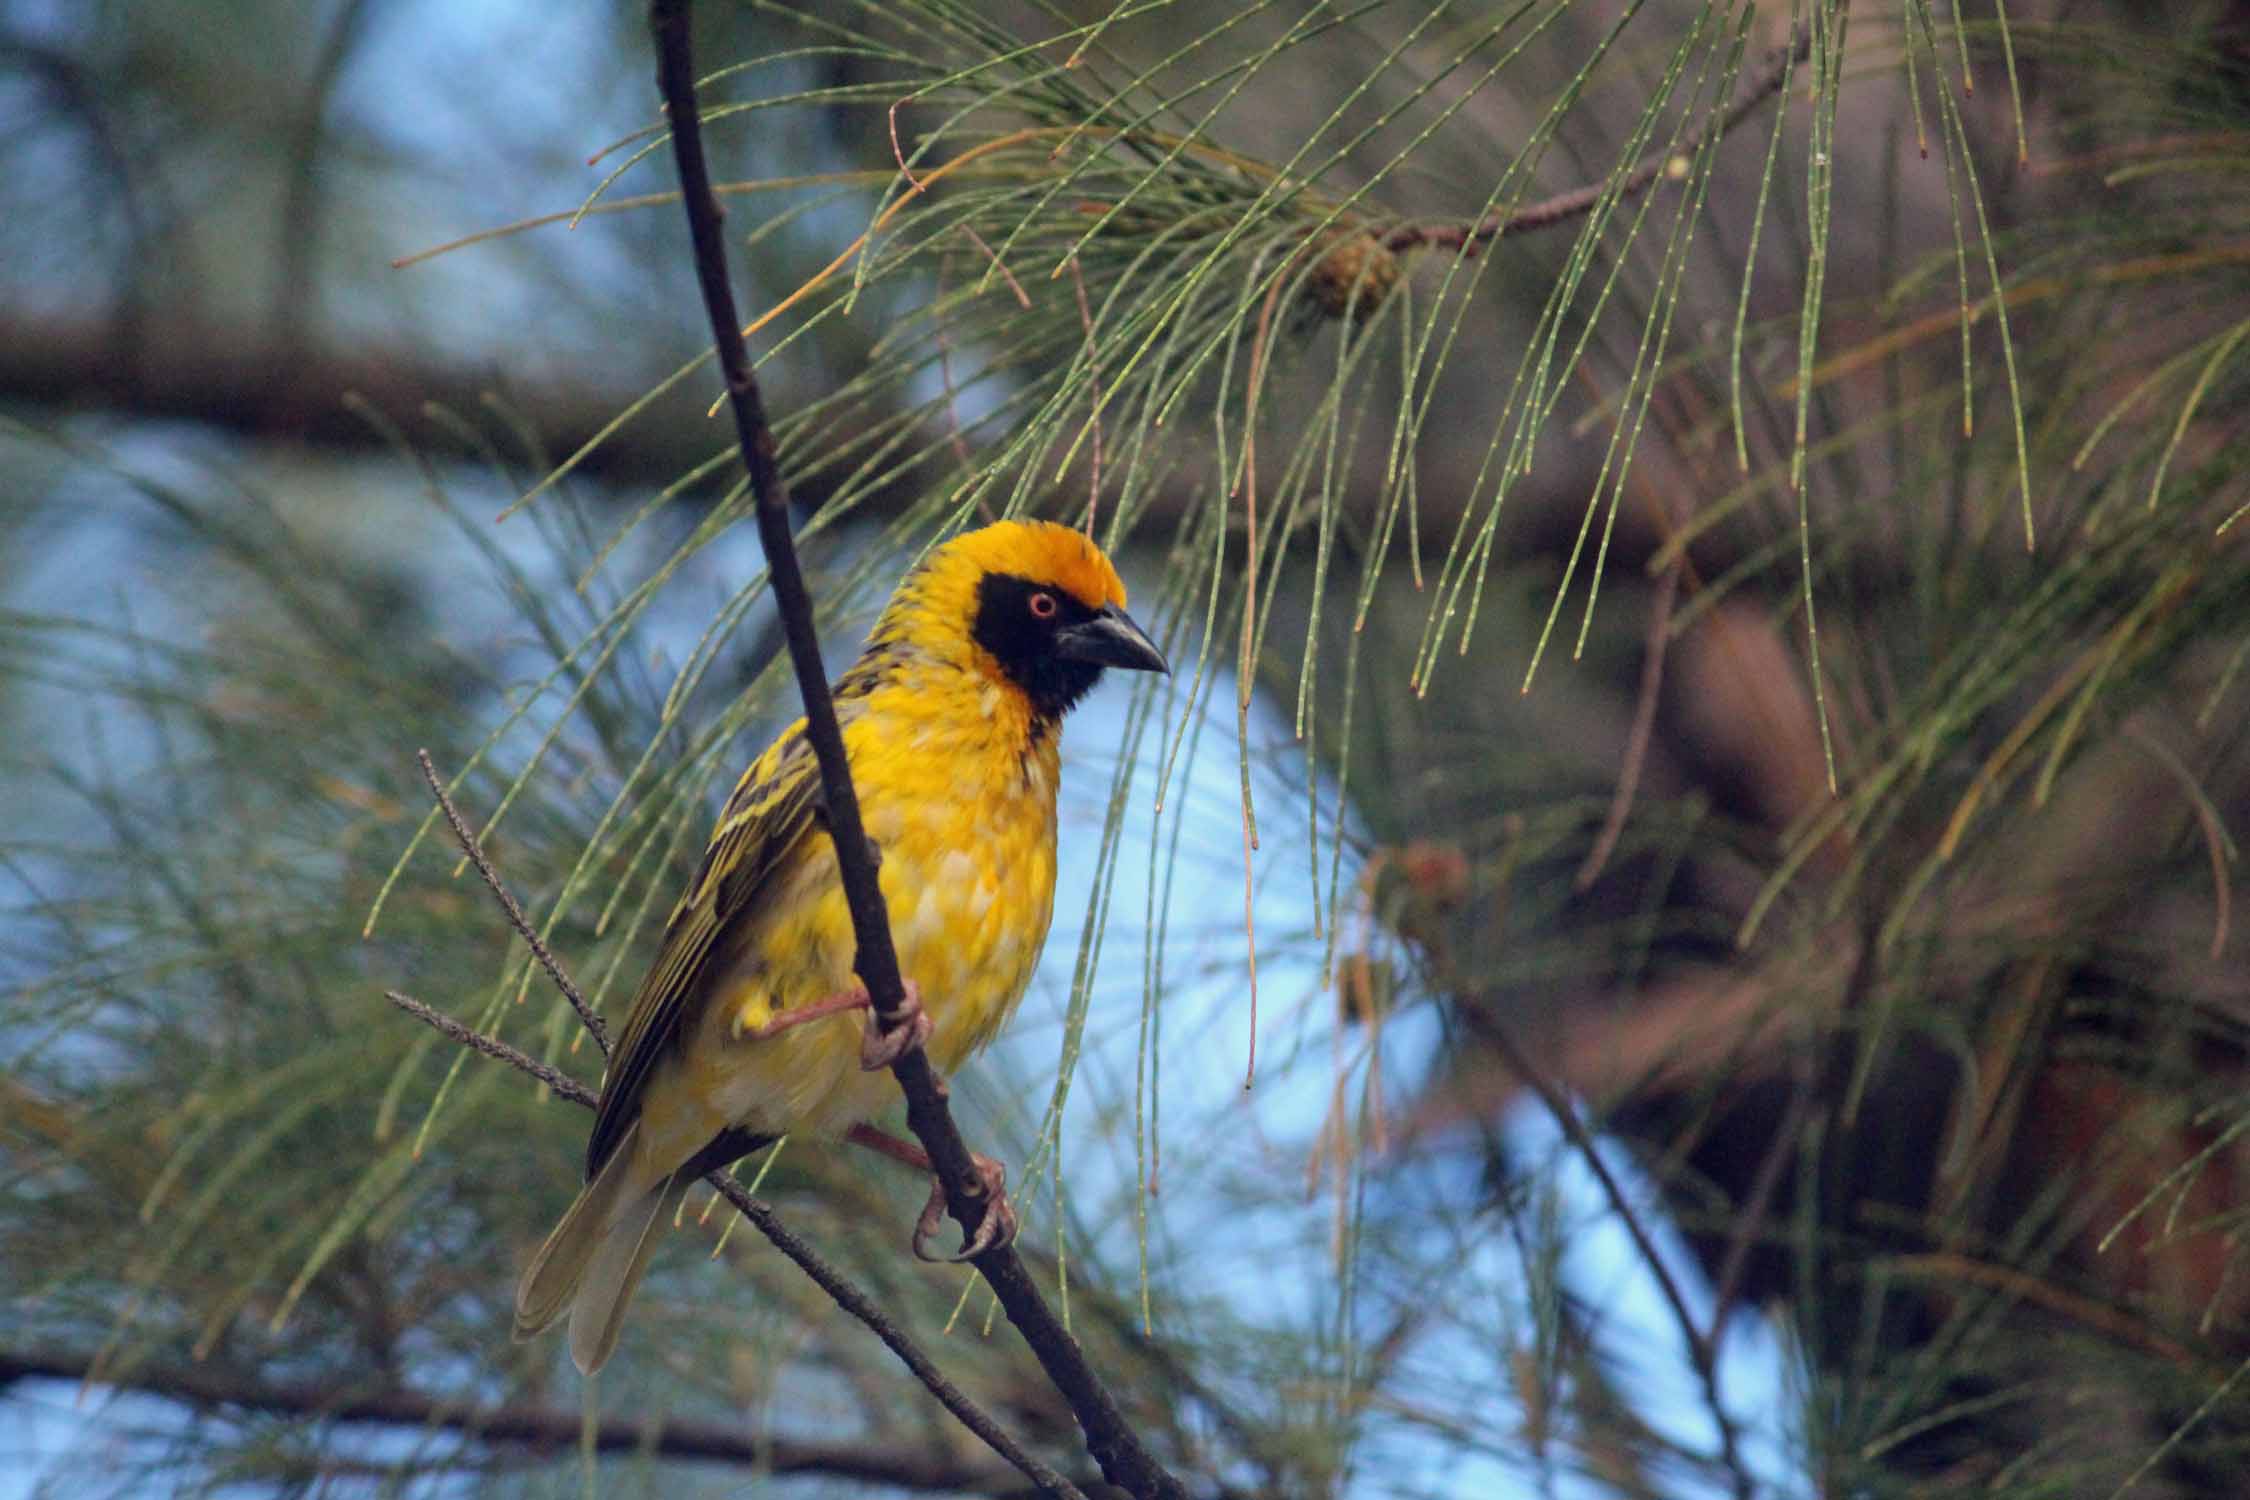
564 1086
1702 1351
1115 1446
246 380
1580 201
840 1288
525 1426
516 919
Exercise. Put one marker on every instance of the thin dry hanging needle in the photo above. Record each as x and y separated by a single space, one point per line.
1243 683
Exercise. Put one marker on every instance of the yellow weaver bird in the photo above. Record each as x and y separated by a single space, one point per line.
741 1030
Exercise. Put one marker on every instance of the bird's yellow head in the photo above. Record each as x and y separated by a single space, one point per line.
1027 603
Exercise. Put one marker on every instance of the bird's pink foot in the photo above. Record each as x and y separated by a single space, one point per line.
996 1229
879 1046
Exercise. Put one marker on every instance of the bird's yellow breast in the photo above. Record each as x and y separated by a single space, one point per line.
957 789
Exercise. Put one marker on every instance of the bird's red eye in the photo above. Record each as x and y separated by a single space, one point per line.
1043 606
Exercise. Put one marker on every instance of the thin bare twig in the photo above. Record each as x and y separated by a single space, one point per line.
1750 1218
840 1288
564 1086
915 189
1580 201
958 438
516 919
2207 818
1702 1354
952 397
1643 728
1125 1461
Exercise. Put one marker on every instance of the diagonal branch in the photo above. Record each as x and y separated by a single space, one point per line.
1580 201
560 1083
532 1427
839 1287
474 849
1702 1350
1124 1459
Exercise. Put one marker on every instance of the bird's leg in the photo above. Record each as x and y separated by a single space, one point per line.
998 1226
883 1143
880 1046
854 998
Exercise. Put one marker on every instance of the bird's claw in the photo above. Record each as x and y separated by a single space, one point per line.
994 1231
879 1047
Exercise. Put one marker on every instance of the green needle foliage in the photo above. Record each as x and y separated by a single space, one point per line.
1791 1040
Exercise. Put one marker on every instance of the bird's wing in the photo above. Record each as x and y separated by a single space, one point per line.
775 805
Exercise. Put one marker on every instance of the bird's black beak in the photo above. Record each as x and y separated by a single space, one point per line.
1110 639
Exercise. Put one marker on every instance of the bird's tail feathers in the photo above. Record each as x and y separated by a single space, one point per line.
595 1257
614 1272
